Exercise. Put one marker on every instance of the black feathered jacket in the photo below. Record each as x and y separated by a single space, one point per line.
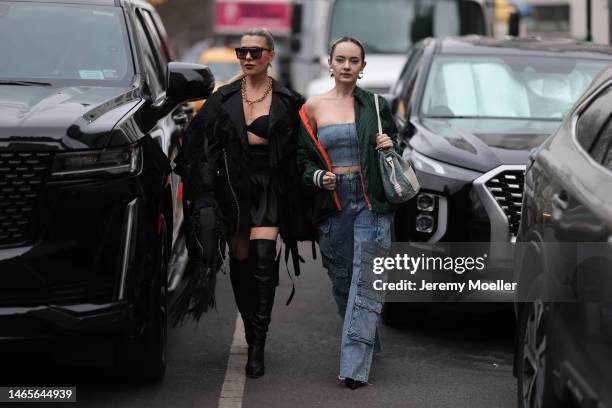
214 158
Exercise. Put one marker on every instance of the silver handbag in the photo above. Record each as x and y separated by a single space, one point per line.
398 177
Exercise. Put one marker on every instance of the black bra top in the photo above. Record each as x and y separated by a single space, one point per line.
259 126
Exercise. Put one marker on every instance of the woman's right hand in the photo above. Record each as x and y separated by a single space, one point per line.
329 181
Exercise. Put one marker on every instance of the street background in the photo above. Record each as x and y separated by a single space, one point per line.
454 359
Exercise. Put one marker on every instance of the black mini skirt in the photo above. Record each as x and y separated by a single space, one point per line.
264 195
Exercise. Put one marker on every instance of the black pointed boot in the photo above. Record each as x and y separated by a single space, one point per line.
265 276
243 286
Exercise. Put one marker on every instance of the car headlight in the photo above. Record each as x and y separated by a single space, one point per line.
438 180
106 162
428 165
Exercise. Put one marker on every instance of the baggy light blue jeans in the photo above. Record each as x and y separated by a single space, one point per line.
341 237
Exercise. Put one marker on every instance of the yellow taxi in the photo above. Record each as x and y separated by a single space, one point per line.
222 62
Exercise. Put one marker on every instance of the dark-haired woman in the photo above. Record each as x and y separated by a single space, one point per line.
241 148
338 159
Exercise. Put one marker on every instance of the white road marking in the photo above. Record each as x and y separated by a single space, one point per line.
233 385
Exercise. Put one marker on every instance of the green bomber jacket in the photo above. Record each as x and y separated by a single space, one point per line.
312 157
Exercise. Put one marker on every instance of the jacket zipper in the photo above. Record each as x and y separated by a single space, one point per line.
229 183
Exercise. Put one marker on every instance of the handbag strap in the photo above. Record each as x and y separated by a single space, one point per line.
378 113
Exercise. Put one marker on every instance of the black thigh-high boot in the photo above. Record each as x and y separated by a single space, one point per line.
265 276
243 285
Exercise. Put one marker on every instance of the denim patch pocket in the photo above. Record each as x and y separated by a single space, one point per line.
326 241
370 252
364 318
383 230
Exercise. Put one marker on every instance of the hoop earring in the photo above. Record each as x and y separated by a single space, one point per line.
360 75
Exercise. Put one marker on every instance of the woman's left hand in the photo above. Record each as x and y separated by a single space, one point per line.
383 141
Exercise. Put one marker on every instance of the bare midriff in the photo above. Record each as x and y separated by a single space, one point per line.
256 140
347 169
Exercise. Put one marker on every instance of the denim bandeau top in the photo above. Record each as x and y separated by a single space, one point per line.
340 142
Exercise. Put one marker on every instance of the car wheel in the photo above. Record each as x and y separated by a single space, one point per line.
145 355
535 382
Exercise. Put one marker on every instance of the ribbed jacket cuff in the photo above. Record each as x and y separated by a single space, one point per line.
317 178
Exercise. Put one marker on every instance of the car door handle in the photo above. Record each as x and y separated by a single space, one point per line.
559 201
180 118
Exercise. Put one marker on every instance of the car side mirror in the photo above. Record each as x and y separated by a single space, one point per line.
407 131
184 82
406 128
188 82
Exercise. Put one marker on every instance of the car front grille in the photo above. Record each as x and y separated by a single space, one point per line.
96 291
507 189
22 175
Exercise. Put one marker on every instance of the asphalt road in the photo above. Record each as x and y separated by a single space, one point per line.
454 359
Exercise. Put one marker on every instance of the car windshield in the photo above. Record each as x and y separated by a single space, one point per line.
64 44
392 26
510 87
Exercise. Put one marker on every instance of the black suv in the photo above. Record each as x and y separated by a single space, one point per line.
91 112
564 262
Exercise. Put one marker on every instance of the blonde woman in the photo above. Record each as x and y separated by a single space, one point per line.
241 149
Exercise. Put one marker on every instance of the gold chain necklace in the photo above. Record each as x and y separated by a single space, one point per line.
251 103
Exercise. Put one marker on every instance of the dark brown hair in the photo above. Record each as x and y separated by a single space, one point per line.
347 39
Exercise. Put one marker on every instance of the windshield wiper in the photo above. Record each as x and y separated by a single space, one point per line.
24 83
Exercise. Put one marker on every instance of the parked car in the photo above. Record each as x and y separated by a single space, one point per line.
91 111
469 110
563 262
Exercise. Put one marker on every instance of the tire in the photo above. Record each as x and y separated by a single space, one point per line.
143 358
534 360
